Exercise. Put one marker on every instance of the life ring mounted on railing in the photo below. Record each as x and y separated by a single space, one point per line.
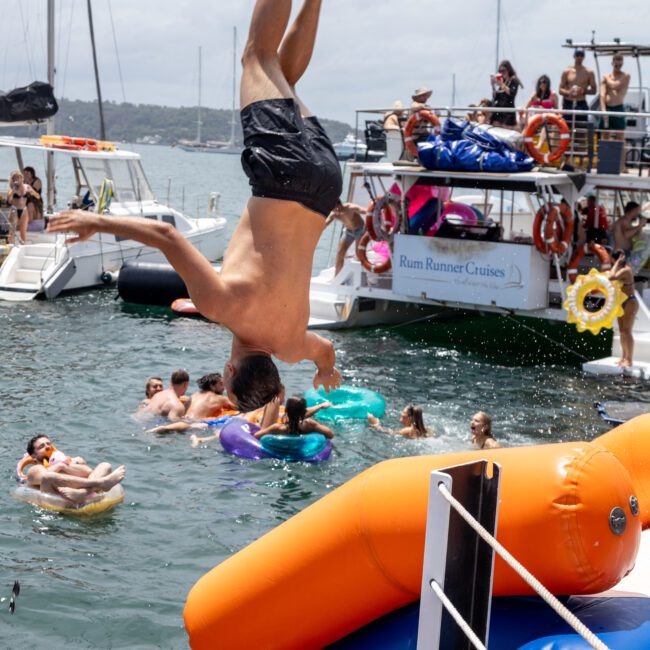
593 249
362 256
542 119
413 121
553 229
384 217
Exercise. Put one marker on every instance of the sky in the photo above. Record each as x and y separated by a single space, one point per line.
369 53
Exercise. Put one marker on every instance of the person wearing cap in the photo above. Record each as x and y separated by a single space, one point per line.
391 119
420 98
576 83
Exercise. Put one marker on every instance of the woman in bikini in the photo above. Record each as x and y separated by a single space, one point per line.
623 272
17 196
412 421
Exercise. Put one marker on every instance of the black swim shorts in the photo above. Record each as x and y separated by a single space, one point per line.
289 157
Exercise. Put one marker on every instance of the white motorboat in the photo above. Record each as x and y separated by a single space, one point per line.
44 265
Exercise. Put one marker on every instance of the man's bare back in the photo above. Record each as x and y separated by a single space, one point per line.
207 405
165 404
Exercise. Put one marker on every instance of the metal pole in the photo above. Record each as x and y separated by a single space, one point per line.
50 121
198 123
496 67
453 89
102 126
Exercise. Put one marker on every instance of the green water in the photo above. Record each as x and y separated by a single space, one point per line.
75 368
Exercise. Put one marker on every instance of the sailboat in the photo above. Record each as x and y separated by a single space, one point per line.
212 146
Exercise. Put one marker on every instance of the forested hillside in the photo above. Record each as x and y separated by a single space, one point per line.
128 122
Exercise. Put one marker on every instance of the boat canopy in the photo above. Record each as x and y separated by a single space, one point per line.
610 48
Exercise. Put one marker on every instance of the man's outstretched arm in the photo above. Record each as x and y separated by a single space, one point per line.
204 284
321 352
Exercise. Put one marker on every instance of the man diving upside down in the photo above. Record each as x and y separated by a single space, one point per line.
262 292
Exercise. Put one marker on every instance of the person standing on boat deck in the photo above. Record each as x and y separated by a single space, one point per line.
613 89
392 118
420 98
623 272
262 292
71 478
576 83
167 403
17 196
505 85
624 231
481 427
596 224
34 204
354 225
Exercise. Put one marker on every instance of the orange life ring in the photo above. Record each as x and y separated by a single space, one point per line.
532 128
593 249
363 257
416 118
383 217
555 238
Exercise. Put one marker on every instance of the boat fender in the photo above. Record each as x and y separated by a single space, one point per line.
150 284
108 277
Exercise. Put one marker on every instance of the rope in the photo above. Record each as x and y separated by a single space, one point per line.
117 54
455 614
570 618
548 338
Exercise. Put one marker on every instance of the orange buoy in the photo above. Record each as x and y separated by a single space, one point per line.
357 553
541 119
413 121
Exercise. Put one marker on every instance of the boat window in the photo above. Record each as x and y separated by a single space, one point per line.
151 216
129 181
169 218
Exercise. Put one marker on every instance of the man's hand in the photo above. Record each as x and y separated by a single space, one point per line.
372 420
329 381
83 223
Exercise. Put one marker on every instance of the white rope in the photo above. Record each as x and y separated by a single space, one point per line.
457 616
526 575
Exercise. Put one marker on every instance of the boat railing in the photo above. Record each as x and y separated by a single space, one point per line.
592 147
460 542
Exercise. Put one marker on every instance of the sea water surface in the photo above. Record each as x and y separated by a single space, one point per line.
75 368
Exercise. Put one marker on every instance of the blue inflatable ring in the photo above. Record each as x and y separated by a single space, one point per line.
348 403
237 438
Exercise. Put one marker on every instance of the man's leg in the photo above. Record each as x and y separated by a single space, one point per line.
262 76
53 482
298 46
102 470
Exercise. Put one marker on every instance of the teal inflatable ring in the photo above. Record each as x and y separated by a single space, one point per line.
303 447
348 403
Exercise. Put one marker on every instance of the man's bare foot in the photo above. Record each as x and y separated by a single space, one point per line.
624 363
112 479
76 495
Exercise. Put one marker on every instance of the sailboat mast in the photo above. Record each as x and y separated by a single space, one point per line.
234 86
198 123
50 121
102 125
496 67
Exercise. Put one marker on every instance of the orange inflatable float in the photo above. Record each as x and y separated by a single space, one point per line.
357 553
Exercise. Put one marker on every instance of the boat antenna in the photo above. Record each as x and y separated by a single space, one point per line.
102 126
198 123
496 67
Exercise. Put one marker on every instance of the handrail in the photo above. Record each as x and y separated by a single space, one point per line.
570 618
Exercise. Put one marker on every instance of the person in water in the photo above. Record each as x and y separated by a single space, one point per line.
152 386
72 478
295 422
481 427
207 404
262 292
167 403
623 272
412 422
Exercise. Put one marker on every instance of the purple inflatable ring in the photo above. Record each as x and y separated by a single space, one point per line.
237 439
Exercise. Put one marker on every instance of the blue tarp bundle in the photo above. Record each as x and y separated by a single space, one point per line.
463 147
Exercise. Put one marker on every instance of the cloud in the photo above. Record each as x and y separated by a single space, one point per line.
369 53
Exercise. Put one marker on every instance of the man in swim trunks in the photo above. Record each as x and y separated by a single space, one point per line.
72 479
624 231
167 403
262 292
352 218
613 89
576 83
